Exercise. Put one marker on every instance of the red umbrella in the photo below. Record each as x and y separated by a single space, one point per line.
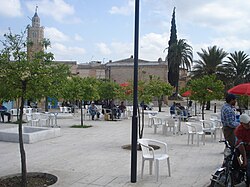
186 93
241 89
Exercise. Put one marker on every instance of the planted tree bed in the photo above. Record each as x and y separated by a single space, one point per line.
33 180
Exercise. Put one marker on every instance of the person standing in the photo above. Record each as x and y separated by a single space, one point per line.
228 119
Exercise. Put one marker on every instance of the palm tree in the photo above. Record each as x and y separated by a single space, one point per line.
236 69
182 57
209 62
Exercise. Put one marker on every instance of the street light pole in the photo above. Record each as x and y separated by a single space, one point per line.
135 100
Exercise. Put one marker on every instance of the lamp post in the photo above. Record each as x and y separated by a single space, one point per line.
135 98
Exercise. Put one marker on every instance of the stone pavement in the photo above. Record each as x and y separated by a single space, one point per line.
94 157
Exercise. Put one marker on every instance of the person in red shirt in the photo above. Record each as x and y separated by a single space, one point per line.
242 132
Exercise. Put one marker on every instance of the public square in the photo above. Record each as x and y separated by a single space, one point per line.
94 156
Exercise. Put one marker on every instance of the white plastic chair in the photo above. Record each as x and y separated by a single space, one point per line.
61 109
208 126
216 119
195 129
148 153
43 120
13 113
150 120
31 120
130 111
156 123
170 124
67 110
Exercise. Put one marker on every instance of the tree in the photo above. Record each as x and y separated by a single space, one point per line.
205 89
22 78
209 62
146 91
171 63
158 88
108 89
80 89
182 56
236 69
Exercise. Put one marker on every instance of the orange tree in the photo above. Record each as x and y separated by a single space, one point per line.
24 78
158 88
206 89
80 89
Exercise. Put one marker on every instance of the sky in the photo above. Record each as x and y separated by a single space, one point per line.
103 30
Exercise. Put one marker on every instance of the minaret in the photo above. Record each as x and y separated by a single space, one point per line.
35 36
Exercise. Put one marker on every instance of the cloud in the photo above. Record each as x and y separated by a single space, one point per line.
103 48
232 43
10 8
153 45
127 9
55 35
63 52
57 9
122 50
227 43
78 38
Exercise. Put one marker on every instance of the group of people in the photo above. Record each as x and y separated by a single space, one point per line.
236 132
115 111
178 109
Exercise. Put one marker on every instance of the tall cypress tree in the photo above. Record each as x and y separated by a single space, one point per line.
172 69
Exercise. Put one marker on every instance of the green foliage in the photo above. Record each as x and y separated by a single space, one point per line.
172 41
158 88
181 56
108 89
78 88
206 88
209 62
124 92
236 69
28 78
143 93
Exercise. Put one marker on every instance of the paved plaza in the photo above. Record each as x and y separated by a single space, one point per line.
94 156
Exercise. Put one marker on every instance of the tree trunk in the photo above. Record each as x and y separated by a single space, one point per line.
21 145
202 110
46 104
208 105
18 110
81 114
160 103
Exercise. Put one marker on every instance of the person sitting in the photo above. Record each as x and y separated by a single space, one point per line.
122 108
3 111
182 111
114 110
172 109
93 110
